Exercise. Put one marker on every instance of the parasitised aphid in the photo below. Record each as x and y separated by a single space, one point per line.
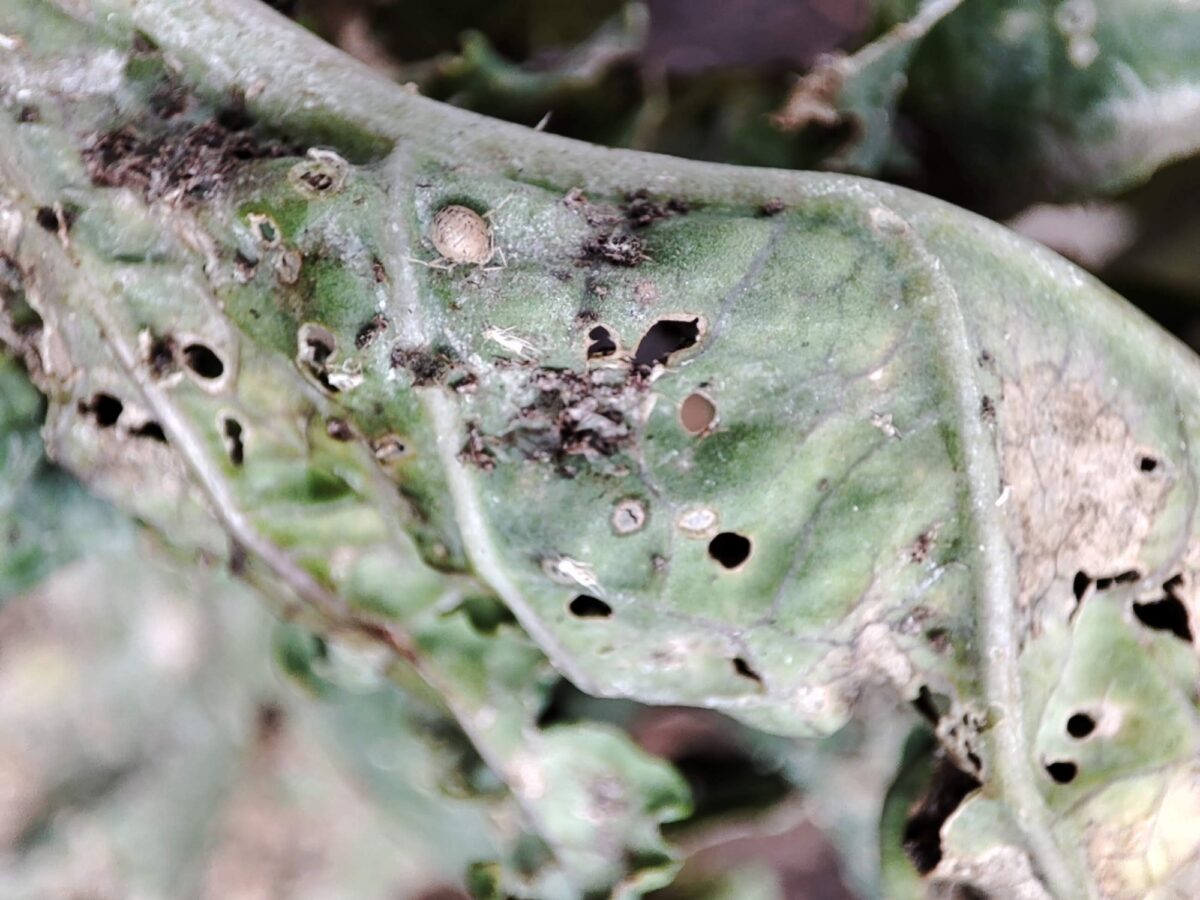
463 237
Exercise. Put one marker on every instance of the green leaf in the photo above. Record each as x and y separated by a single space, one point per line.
1016 101
46 518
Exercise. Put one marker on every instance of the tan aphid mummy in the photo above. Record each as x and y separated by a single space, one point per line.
462 236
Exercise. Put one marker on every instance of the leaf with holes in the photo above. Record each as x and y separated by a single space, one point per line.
703 454
46 518
1015 102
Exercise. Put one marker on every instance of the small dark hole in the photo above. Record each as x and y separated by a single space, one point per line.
1062 772
602 343
201 360
1147 463
318 181
320 347
743 668
587 607
730 549
233 440
1127 577
1167 614
106 408
1080 585
1080 725
47 218
663 338
161 356
151 430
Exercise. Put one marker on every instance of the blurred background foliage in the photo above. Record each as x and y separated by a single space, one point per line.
151 746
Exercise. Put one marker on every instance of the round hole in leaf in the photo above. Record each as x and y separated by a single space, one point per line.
587 607
1062 772
1080 725
697 413
201 360
107 409
730 549
47 218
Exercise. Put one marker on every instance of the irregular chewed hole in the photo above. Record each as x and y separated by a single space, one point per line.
1147 463
1080 585
602 343
1062 772
930 705
587 607
1167 614
105 408
1126 577
730 549
1080 725
743 668
201 360
233 440
697 413
151 430
922 838
317 343
664 337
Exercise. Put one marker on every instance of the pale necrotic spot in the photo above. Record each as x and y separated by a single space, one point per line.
585 606
697 413
1070 458
629 515
698 523
730 549
663 338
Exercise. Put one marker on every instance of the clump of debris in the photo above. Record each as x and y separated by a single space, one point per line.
641 210
617 247
189 163
613 240
571 418
427 366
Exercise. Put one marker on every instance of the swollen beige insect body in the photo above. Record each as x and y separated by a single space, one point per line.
462 236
